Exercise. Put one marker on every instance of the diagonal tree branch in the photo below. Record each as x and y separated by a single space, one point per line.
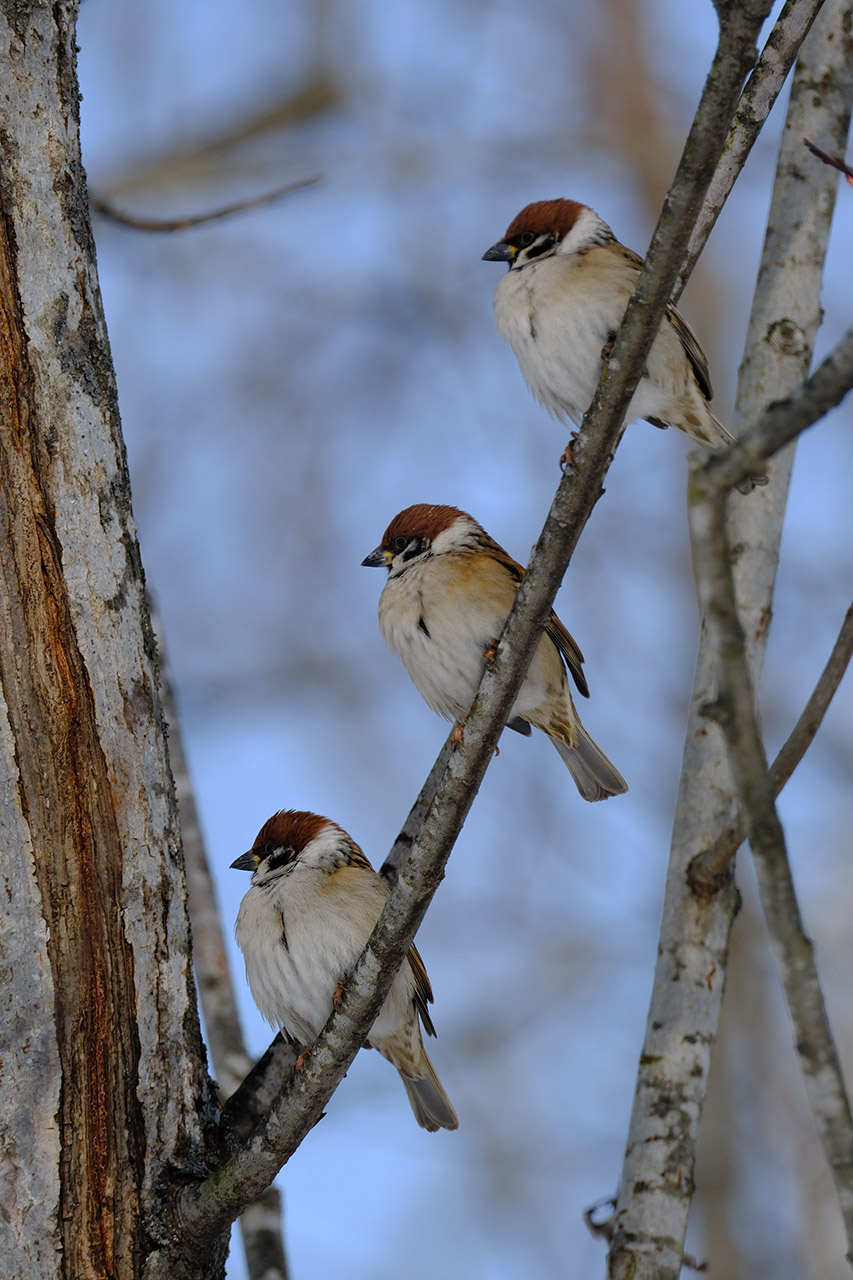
784 420
203 1208
735 710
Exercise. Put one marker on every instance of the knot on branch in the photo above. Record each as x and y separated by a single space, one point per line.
786 337
719 711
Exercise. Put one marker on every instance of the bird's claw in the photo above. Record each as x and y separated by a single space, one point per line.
490 652
566 459
337 994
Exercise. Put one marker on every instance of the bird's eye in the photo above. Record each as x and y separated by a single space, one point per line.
269 847
401 543
527 238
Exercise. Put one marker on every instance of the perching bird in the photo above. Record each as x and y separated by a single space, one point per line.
449 591
312 905
559 307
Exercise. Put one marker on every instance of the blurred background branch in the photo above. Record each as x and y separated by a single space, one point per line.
261 1222
106 210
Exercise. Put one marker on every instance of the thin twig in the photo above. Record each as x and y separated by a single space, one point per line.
803 732
835 161
784 420
707 868
735 711
107 210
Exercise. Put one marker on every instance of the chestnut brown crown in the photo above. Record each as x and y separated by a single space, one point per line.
290 829
422 521
556 216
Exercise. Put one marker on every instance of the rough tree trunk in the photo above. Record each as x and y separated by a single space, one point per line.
104 1095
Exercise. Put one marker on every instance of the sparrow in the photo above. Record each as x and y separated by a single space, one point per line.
559 307
449 591
312 905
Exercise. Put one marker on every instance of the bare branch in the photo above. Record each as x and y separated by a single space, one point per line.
708 867
657 1178
756 102
106 210
248 1105
735 710
803 732
784 420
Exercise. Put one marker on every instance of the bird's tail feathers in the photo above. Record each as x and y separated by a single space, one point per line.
431 1105
595 777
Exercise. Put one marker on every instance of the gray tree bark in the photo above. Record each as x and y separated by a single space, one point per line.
104 1094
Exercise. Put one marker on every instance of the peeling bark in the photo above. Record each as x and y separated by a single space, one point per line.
114 1101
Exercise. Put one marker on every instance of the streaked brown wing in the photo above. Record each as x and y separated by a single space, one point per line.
695 354
629 255
686 336
423 990
503 558
356 858
572 655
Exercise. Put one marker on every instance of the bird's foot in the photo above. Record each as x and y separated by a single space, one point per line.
490 652
337 994
299 1064
566 459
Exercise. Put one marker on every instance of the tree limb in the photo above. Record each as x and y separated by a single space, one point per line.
756 102
705 871
735 710
784 420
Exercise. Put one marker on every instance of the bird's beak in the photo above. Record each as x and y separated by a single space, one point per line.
246 861
378 559
503 251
